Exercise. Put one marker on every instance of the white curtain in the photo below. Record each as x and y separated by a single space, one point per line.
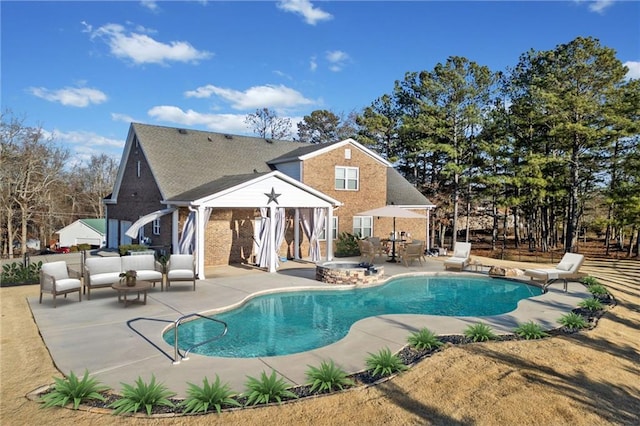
313 225
281 228
263 238
186 245
187 242
266 250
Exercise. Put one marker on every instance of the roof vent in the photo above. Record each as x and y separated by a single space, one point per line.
228 136
182 131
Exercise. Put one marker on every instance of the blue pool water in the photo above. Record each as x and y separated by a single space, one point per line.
292 322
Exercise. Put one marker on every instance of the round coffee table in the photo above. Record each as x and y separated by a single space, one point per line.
140 287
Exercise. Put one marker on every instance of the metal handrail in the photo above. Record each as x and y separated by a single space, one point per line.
177 323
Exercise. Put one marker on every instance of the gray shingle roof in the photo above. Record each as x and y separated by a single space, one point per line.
401 192
184 160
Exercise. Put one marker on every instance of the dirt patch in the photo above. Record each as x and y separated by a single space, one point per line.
581 379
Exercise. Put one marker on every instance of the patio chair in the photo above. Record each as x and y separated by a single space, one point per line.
367 252
567 269
460 258
181 267
379 248
55 279
411 252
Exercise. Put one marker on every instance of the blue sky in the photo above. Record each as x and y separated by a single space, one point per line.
83 71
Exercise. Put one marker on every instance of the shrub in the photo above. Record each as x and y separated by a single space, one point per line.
592 304
597 290
384 363
17 273
126 248
209 395
479 332
424 339
142 395
327 377
573 321
347 245
267 389
589 280
72 389
530 330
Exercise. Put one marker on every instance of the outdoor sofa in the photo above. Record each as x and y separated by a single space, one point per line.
105 271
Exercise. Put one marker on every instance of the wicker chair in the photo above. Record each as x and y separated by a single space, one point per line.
55 279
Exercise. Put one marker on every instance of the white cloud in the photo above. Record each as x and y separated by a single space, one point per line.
83 145
142 49
71 96
634 70
599 6
337 60
310 14
150 4
267 96
116 116
226 123
222 123
313 64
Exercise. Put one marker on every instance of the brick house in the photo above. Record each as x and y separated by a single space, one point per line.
239 199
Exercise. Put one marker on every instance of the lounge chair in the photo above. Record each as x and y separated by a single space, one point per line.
567 269
55 279
460 258
181 267
411 252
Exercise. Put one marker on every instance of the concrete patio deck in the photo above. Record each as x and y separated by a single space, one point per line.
94 335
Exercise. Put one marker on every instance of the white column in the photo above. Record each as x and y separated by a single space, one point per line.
428 240
272 238
329 235
200 227
174 230
296 234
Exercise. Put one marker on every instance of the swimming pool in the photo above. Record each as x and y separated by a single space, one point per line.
299 321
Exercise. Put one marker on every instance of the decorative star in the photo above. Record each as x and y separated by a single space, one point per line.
272 196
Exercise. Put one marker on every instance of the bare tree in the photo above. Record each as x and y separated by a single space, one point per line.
267 124
31 166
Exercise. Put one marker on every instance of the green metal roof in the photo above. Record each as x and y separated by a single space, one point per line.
98 225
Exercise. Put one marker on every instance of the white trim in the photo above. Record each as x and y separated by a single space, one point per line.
343 143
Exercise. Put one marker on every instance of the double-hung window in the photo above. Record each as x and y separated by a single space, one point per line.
334 231
156 226
363 226
347 178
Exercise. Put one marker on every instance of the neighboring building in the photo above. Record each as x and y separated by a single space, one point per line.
83 231
215 195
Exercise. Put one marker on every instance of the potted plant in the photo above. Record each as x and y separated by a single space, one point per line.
128 277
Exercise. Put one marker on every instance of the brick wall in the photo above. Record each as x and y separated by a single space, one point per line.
140 194
318 172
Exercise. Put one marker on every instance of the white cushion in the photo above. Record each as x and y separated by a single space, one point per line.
181 261
108 278
103 265
564 266
460 253
139 262
176 274
149 275
58 270
67 284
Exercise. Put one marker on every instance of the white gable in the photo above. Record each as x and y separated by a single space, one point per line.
272 189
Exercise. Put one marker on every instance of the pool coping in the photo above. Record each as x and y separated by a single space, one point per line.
83 335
